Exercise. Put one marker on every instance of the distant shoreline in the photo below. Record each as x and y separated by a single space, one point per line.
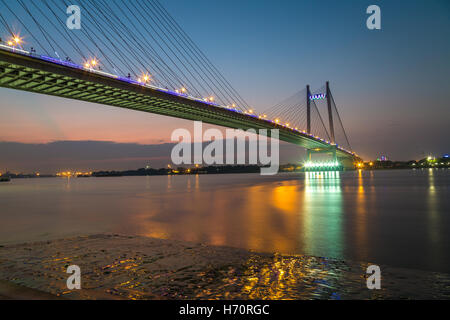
427 163
210 171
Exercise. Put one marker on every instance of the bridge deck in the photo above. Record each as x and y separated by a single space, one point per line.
25 72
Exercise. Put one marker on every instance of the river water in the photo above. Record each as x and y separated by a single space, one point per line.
399 217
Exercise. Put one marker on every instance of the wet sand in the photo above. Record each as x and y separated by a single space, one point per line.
134 267
12 291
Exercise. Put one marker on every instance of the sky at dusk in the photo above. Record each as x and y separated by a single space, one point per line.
391 86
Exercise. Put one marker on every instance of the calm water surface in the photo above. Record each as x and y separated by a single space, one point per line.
400 218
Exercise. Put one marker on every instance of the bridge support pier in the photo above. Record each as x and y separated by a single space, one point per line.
330 163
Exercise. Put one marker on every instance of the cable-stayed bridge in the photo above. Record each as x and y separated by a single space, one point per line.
153 67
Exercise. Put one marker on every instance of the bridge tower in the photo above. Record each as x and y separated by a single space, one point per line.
330 113
308 110
331 161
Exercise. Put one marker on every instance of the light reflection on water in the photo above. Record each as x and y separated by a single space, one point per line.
322 213
392 217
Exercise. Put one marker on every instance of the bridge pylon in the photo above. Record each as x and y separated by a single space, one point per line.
330 113
308 110
325 158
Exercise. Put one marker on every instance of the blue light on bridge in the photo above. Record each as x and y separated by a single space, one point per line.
319 96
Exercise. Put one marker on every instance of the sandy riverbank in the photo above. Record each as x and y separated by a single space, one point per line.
132 267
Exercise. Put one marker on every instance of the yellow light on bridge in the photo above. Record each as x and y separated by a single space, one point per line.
211 99
17 40
183 90
277 120
10 43
91 63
